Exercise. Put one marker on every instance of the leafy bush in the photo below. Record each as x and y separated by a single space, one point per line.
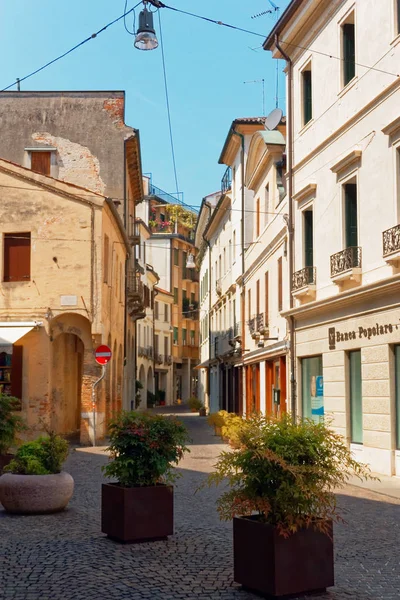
217 419
44 456
10 423
194 403
151 399
144 448
232 428
286 473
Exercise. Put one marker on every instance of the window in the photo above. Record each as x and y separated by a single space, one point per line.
175 335
166 346
11 373
176 257
349 50
184 262
249 307
17 257
307 94
156 344
234 245
312 404
121 279
166 313
175 295
230 254
397 16
106 253
258 297
350 207
192 337
308 238
266 292
280 283
184 339
40 162
224 264
258 217
192 298
356 425
266 200
156 311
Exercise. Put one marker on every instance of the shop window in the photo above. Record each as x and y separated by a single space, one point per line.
311 397
356 415
17 257
40 162
307 94
348 50
11 373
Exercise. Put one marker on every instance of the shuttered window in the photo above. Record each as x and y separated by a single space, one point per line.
266 298
308 239
166 313
350 199
166 346
156 310
280 283
40 162
307 95
175 335
176 257
184 337
17 257
349 52
176 295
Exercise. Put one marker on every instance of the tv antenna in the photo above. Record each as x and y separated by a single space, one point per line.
273 10
262 81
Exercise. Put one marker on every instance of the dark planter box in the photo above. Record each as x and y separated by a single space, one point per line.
5 459
137 514
270 564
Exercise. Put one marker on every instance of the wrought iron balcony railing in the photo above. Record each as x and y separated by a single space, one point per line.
167 359
134 286
347 259
226 182
252 323
304 277
261 323
159 359
237 330
391 240
218 287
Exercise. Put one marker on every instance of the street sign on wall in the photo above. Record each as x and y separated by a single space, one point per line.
103 355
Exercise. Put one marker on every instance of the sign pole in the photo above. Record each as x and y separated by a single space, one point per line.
95 384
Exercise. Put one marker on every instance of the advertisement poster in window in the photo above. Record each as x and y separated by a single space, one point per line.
317 397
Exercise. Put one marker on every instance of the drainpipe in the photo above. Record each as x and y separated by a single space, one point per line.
243 299
289 145
209 309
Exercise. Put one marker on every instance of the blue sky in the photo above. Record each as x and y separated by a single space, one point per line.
206 67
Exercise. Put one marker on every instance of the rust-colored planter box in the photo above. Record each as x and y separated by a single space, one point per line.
268 563
139 514
5 459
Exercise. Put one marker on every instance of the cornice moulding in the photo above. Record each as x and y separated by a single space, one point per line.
346 161
308 190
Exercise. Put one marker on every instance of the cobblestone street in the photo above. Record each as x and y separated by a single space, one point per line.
65 556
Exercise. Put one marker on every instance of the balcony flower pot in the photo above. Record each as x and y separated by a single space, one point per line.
143 450
33 482
35 494
282 476
263 558
137 514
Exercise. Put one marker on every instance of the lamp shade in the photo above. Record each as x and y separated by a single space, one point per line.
146 36
190 264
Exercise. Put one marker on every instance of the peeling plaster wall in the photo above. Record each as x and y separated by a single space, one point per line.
87 128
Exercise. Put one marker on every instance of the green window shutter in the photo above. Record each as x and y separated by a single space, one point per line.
184 336
192 337
349 52
176 295
176 257
184 261
308 239
356 397
175 335
307 96
350 198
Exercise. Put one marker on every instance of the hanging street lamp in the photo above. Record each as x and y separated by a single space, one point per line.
146 35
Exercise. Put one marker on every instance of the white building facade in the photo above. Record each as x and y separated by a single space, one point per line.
344 133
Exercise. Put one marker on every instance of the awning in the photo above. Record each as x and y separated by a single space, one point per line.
11 332
202 365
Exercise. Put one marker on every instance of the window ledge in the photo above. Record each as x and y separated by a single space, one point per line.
393 258
306 127
353 274
304 292
348 86
396 40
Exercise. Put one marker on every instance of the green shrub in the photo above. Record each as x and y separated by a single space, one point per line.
138 395
232 428
44 456
286 473
194 403
144 448
10 423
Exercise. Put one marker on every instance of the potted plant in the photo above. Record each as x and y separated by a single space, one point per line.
217 420
282 477
33 481
144 449
194 404
10 425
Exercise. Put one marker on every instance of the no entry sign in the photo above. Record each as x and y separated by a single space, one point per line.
103 355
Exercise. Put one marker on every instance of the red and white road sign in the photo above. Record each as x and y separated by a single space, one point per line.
103 355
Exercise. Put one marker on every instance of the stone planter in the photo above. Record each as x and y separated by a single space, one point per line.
35 494
269 564
5 459
139 514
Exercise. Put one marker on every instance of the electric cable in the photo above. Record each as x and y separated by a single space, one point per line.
167 103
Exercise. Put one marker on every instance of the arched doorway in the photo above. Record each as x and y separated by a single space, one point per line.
67 366
150 383
143 391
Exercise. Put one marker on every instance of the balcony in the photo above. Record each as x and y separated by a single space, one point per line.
218 287
252 325
134 234
190 352
391 245
159 359
261 324
304 282
135 296
346 265
190 309
237 331
226 181
167 359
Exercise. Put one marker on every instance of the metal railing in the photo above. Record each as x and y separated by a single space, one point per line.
261 323
391 240
304 277
237 329
167 359
134 285
226 181
252 324
349 258
218 287
159 359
